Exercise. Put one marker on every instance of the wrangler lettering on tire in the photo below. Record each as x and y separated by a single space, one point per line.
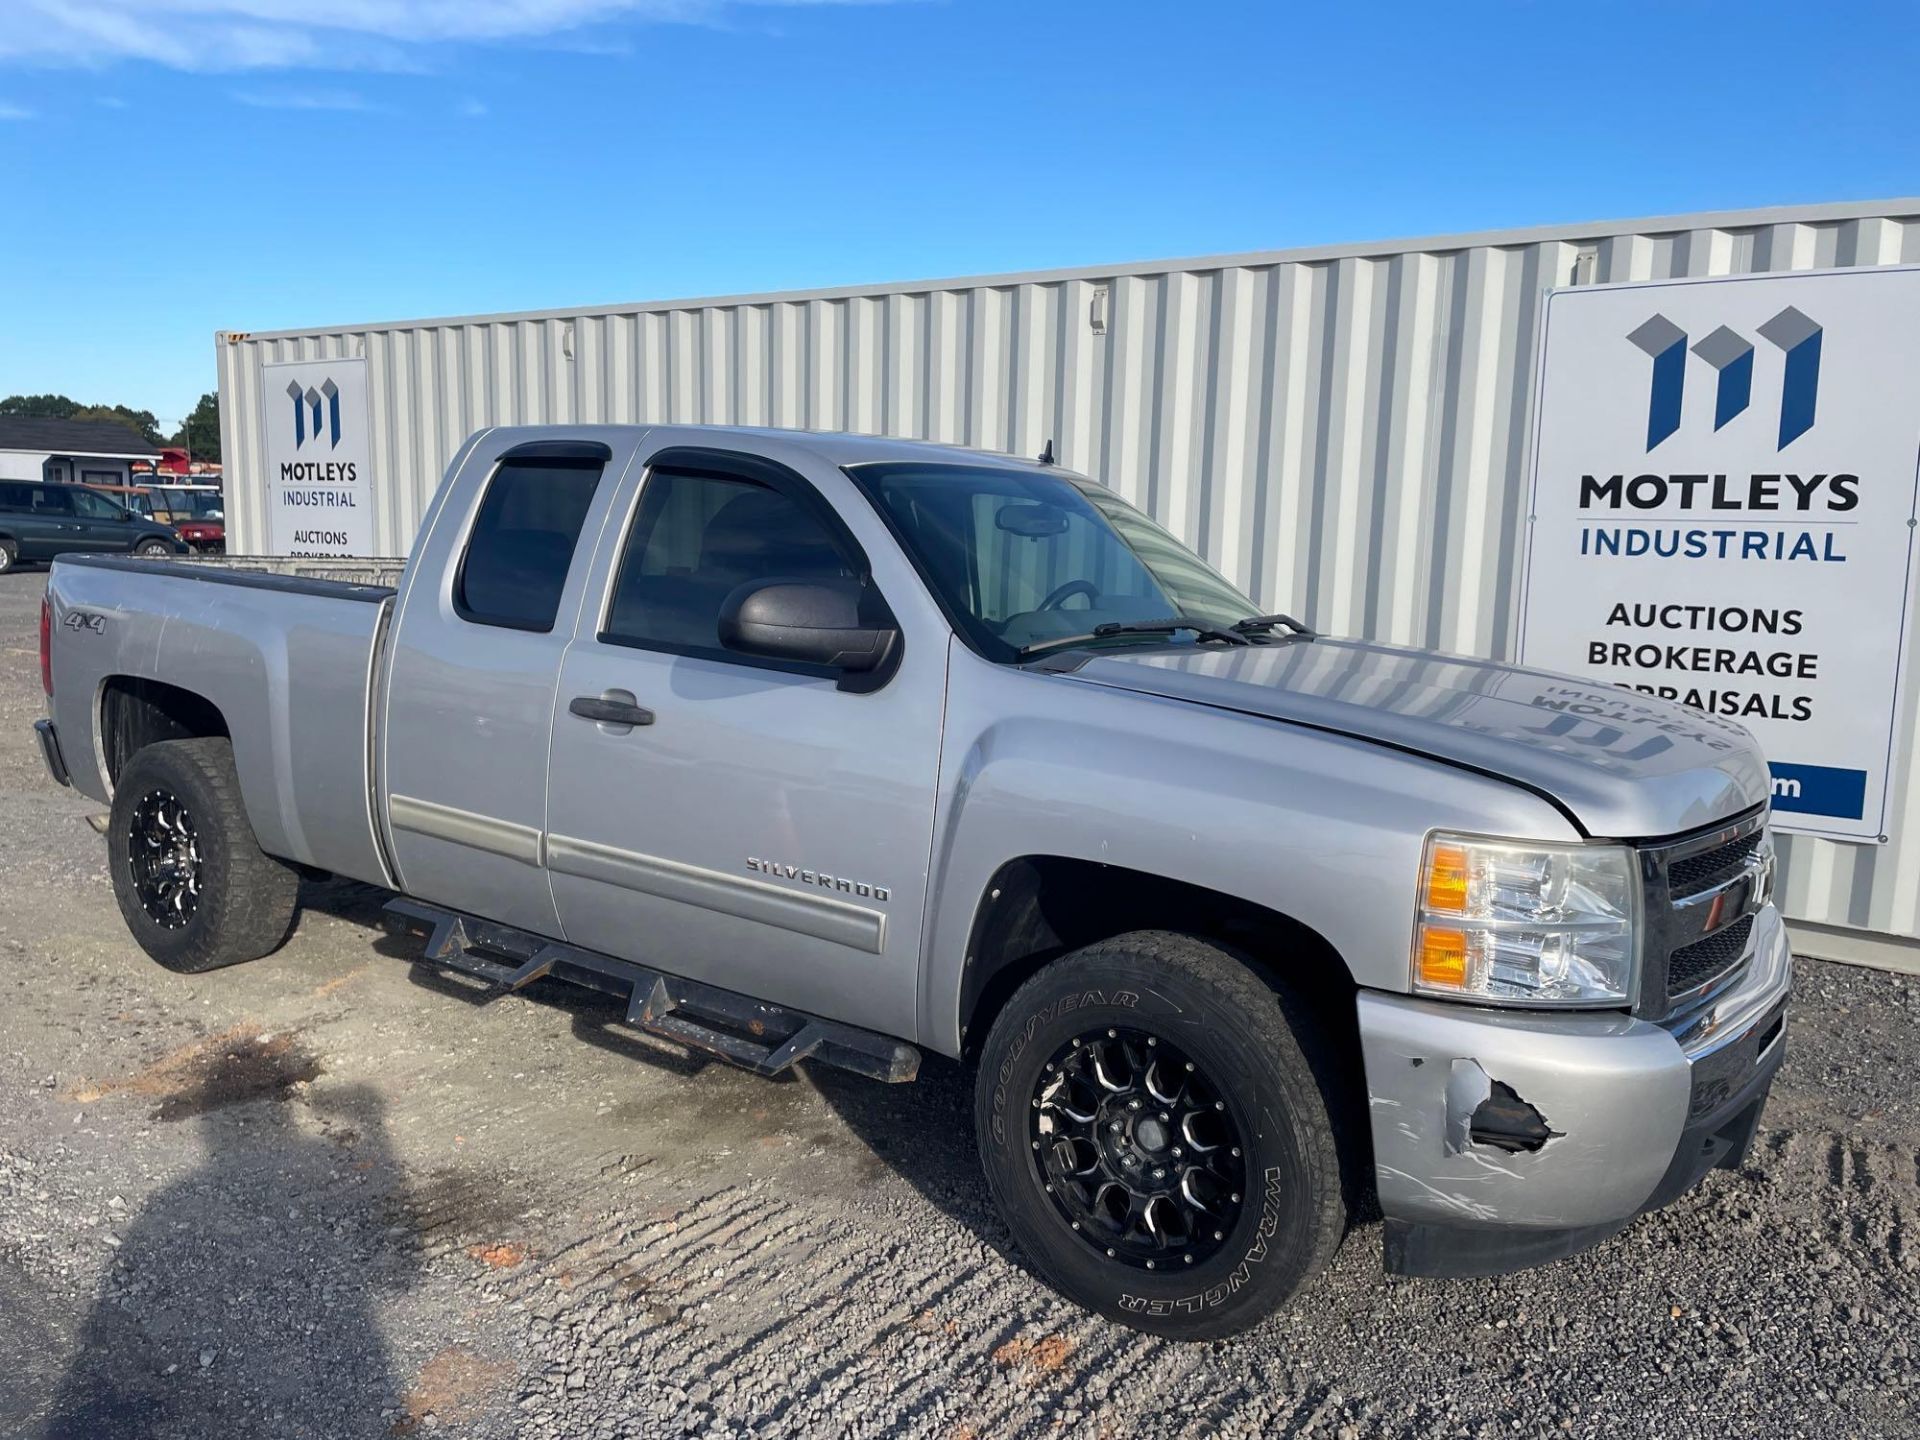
1157 1138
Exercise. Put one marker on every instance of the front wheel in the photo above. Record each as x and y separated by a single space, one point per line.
193 884
153 549
1157 1140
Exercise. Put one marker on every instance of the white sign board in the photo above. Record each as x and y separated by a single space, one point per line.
1724 479
319 486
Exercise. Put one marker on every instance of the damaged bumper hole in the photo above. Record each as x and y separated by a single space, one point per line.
1485 1111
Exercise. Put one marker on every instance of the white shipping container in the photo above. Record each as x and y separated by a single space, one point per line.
1340 429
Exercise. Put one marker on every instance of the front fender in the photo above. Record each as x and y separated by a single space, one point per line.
1323 828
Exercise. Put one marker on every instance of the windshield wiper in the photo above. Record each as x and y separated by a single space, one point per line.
1200 628
1261 624
1202 632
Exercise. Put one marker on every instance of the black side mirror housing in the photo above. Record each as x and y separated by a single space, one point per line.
818 622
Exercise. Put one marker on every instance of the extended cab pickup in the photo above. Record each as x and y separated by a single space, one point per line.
842 748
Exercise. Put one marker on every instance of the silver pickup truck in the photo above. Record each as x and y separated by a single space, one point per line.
837 748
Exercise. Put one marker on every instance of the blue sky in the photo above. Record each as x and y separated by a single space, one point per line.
172 167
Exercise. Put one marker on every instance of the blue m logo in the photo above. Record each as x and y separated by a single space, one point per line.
321 403
1731 356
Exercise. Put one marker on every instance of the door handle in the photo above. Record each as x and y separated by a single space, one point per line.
609 709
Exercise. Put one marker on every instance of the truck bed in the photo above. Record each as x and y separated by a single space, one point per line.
383 572
287 659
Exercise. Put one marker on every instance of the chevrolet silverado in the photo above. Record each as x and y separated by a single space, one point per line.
840 749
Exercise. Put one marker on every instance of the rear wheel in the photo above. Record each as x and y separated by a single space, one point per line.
193 884
9 555
1156 1138
153 549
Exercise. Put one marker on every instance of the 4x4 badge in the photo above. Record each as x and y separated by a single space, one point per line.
85 620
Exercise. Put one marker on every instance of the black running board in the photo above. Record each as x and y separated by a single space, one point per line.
732 1027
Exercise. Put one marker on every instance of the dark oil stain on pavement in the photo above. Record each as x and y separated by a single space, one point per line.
237 1065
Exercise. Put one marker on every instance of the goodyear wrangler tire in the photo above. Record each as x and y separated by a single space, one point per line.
1157 1139
193 884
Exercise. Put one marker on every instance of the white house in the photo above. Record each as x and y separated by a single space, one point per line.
88 452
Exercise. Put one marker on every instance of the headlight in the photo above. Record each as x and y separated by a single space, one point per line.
1526 924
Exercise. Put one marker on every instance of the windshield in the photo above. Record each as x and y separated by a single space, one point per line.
180 504
1022 560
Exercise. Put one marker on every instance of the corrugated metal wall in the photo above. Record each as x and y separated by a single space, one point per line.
1340 430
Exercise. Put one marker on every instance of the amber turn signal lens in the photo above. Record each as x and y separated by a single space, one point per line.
1446 887
1443 958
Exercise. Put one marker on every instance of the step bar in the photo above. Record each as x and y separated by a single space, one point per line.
765 1039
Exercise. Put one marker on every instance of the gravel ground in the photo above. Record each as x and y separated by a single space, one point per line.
327 1195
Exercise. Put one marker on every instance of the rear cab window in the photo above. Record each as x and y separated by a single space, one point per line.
523 540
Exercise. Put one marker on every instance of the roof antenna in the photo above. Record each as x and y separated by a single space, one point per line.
1046 452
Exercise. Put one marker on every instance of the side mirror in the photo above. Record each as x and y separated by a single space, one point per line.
815 621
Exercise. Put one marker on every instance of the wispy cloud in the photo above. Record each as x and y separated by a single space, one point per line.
303 99
10 111
109 102
240 35
472 109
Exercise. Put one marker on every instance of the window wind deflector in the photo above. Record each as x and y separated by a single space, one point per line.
1262 624
579 452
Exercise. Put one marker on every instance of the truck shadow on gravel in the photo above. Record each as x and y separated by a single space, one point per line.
922 1131
242 1298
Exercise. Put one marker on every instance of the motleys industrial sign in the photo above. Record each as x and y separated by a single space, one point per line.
1723 503
318 483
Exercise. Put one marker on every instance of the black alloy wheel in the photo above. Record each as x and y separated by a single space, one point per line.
1161 1128
163 852
191 880
1138 1149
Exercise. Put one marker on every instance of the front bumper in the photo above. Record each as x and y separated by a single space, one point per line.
1635 1114
49 739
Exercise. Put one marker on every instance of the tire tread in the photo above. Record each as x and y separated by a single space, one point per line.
252 902
1282 1026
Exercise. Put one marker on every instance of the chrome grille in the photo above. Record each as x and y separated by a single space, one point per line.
1701 893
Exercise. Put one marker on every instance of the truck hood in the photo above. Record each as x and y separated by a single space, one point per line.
1624 765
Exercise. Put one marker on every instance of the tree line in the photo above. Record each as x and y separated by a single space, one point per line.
199 434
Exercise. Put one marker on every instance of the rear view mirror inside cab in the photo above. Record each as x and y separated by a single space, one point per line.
1033 521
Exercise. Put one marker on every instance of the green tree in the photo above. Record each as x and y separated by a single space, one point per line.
39 407
59 407
141 422
200 431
